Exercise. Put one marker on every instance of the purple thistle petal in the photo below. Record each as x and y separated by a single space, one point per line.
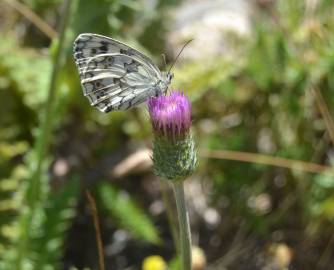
170 115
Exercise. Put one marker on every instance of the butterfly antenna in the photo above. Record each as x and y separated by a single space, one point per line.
177 57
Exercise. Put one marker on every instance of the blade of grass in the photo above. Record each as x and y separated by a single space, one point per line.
268 160
292 164
33 18
99 244
325 113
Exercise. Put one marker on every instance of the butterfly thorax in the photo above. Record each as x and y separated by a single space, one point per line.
166 81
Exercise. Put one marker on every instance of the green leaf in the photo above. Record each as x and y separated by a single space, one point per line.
57 217
129 215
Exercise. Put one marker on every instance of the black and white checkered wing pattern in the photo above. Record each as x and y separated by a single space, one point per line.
113 75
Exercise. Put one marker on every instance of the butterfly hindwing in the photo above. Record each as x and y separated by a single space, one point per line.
115 76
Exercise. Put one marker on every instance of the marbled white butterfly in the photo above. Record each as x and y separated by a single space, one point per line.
115 76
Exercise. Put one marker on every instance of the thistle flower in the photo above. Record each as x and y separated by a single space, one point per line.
170 115
174 155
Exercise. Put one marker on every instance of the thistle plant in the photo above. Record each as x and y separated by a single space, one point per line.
174 154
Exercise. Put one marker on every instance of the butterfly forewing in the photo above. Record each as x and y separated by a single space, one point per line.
113 75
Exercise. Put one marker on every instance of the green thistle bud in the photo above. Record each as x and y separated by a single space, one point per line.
174 153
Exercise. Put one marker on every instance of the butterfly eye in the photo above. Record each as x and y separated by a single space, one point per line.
97 84
109 59
170 76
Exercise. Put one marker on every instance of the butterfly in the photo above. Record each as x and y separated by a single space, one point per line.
115 76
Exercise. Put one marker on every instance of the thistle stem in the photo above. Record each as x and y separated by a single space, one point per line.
185 235
170 211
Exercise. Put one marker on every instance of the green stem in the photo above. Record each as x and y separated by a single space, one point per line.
34 190
43 141
185 235
170 210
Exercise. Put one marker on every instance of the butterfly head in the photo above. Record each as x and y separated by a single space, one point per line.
169 77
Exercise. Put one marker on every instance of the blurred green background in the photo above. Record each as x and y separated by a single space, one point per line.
260 75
